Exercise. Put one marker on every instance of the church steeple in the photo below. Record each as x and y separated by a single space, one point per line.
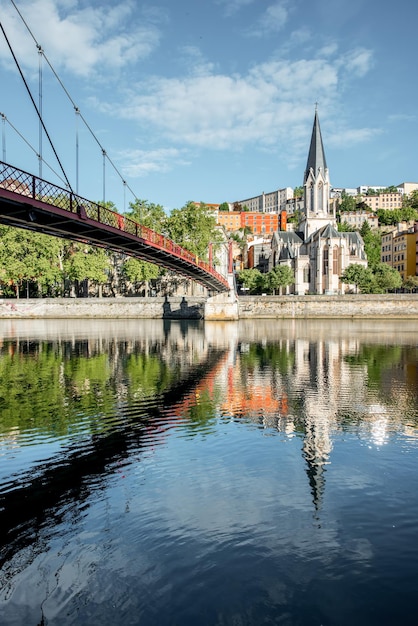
316 156
317 210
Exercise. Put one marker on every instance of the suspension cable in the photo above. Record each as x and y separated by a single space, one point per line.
76 108
4 120
34 104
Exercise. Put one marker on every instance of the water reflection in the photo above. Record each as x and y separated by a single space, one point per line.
191 416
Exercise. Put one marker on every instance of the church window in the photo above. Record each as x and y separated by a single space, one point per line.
325 262
320 197
335 261
307 274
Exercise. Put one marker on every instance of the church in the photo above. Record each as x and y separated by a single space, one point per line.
317 253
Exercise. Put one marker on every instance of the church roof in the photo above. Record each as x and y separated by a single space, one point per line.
287 236
316 156
326 232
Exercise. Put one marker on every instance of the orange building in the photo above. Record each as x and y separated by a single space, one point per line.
260 223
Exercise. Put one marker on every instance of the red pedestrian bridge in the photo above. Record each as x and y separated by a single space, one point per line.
27 201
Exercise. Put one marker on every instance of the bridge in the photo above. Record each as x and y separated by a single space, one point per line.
30 202
27 201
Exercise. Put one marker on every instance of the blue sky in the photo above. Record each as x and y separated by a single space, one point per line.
214 100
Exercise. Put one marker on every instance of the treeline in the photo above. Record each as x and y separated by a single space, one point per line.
37 265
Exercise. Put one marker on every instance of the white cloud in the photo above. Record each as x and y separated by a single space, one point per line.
232 6
271 21
138 163
358 62
402 117
82 40
219 111
353 136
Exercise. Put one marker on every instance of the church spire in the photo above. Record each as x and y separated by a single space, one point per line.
316 156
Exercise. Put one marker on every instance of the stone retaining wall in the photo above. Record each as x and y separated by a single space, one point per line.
188 307
347 306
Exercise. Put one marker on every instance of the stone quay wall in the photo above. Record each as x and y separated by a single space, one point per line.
344 306
219 308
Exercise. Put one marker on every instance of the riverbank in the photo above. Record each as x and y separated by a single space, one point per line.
391 306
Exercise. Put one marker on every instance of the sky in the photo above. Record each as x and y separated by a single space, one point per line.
209 100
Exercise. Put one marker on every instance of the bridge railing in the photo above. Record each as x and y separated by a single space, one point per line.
25 184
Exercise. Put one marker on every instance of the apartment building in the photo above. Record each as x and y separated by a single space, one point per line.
383 201
272 202
399 250
356 219
230 220
260 223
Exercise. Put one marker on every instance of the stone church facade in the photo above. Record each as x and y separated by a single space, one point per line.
317 253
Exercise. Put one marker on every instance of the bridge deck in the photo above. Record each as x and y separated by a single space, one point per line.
27 201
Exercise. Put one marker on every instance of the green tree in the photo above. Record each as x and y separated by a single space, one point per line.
137 271
280 276
193 227
413 199
28 257
372 243
361 277
298 192
387 278
251 279
410 283
87 263
148 214
224 206
347 203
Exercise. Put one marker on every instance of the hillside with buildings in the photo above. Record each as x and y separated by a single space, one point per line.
316 230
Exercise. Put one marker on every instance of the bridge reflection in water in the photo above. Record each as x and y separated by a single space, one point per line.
168 472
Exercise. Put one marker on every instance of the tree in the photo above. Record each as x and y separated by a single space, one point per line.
361 277
28 257
372 243
85 263
224 206
298 192
280 276
148 214
387 278
193 227
410 283
251 279
137 271
348 203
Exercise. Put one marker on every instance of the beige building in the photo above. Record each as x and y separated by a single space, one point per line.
399 250
407 188
356 219
383 201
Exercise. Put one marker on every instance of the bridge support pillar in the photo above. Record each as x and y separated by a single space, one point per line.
223 306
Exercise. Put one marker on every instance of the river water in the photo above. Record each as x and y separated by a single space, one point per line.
191 473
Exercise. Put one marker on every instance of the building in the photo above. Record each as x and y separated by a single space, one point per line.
316 251
399 250
356 219
407 188
272 202
259 223
387 201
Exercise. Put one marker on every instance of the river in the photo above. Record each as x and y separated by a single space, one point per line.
205 473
